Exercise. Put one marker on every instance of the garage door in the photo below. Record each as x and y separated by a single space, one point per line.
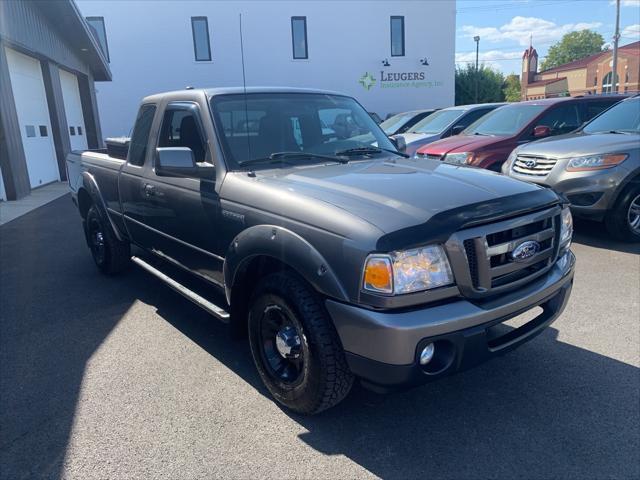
33 116
73 110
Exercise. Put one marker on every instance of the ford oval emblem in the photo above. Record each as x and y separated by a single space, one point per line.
525 251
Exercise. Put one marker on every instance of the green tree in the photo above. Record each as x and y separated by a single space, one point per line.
489 85
573 46
511 88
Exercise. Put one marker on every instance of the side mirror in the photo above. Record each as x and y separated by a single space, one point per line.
175 162
541 131
399 142
457 129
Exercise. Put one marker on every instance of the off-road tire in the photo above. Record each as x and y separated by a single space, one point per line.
117 254
616 219
325 378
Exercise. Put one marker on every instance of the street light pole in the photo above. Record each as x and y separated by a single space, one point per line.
616 36
477 40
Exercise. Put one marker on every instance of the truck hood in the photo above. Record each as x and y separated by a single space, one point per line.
395 194
581 144
460 143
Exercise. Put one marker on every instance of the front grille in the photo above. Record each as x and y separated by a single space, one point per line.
533 165
483 257
429 156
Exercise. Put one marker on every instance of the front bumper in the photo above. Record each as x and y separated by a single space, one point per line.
591 193
383 348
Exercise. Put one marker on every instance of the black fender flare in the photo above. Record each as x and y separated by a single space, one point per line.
90 185
287 247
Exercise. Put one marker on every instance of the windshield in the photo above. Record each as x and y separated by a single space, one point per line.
437 122
622 117
391 125
504 121
257 125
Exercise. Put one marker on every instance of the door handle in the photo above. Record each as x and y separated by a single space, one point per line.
149 190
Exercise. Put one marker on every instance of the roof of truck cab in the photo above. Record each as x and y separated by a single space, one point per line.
212 92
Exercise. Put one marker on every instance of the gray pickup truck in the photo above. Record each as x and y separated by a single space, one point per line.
289 214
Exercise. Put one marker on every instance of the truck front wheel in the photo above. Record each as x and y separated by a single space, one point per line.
295 347
110 254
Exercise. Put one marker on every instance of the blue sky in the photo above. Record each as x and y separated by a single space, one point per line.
504 26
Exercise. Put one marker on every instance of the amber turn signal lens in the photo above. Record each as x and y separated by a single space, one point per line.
378 275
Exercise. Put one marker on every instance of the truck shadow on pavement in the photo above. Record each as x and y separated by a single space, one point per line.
548 409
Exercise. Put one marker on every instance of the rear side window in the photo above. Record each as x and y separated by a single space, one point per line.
140 138
562 119
595 108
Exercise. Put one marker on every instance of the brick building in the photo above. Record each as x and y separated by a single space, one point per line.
587 76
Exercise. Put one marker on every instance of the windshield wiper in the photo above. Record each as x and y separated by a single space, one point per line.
368 150
281 157
481 134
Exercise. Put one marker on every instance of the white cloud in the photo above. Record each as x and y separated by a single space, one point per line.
493 58
520 29
631 31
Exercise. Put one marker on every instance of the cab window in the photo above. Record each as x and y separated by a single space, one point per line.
180 128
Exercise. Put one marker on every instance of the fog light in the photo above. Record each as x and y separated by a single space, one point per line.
427 354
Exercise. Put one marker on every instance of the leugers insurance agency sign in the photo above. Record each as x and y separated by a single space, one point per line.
397 80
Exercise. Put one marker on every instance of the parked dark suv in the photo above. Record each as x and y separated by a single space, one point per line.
488 142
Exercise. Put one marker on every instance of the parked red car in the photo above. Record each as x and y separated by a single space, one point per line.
488 142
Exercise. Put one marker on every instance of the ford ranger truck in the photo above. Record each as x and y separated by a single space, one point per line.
289 214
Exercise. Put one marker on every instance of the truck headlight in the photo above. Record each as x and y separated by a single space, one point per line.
566 228
459 158
407 271
595 162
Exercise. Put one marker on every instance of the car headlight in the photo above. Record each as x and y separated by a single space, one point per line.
506 166
595 162
407 271
459 158
566 227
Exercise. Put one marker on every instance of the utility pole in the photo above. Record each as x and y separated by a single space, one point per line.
616 36
477 40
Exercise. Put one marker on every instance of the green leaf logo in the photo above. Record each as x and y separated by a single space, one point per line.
367 81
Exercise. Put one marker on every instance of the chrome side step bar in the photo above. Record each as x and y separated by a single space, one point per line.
202 302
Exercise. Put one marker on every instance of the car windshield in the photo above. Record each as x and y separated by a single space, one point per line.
437 122
391 125
256 126
504 121
624 117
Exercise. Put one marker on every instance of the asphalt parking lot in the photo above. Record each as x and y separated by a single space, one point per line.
122 378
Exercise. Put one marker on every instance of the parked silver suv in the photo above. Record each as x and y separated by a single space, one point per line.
597 167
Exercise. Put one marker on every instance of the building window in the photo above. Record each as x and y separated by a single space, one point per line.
30 130
299 37
79 130
595 81
201 43
397 36
43 131
607 85
72 131
96 24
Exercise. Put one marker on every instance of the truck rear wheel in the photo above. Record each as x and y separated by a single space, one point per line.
110 254
295 347
623 221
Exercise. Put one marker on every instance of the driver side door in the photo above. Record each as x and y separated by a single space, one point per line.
185 211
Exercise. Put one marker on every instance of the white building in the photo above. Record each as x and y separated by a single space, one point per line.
155 46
